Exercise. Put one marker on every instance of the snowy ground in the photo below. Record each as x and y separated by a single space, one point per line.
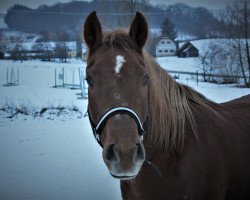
52 160
49 157
53 155
179 64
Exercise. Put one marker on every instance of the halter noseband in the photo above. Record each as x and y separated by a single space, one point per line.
97 129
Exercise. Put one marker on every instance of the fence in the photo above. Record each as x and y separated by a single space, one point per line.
72 79
204 76
12 76
75 79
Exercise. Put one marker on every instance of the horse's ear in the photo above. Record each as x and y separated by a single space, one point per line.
92 31
139 30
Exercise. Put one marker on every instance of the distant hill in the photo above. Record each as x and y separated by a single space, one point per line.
68 17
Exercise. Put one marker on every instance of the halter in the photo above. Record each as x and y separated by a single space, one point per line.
97 129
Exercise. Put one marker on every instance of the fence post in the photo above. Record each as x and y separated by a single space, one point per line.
18 75
197 76
7 75
83 86
13 75
55 79
79 73
63 77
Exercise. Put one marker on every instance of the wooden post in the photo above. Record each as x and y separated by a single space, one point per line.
80 79
18 75
63 77
197 76
7 75
83 87
13 75
55 78
79 73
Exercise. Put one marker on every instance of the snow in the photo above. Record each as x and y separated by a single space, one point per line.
174 63
27 41
57 157
37 81
19 36
49 157
182 36
53 160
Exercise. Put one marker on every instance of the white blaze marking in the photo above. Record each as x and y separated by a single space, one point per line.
119 62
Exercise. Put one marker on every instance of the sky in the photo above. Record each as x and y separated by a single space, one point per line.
210 4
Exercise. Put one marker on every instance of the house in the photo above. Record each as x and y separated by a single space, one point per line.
71 54
165 47
188 50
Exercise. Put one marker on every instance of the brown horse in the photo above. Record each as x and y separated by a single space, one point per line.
199 149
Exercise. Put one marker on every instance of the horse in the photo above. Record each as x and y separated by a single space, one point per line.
160 138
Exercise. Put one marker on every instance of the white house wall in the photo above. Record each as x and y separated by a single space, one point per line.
165 47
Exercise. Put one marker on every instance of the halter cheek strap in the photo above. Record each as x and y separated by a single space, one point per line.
97 129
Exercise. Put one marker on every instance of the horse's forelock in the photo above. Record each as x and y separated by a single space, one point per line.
118 39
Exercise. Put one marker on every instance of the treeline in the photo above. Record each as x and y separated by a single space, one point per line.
199 21
67 17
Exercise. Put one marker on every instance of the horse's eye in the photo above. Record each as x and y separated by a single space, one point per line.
90 81
146 80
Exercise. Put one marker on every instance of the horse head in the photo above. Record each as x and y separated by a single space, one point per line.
118 82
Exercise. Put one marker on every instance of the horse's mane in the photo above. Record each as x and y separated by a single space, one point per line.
170 105
169 102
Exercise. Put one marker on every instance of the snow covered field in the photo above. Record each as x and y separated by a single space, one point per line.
54 155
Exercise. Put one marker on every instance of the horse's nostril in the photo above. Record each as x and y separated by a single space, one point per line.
140 152
110 153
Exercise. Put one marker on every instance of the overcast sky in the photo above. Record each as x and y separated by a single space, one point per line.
211 4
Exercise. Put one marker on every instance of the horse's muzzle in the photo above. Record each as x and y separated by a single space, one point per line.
124 162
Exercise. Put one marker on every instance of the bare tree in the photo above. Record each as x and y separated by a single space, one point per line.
78 47
61 47
128 8
61 51
43 51
221 58
17 53
237 15
246 15
47 51
3 46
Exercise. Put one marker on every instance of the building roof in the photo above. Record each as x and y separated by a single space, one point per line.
186 46
165 38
